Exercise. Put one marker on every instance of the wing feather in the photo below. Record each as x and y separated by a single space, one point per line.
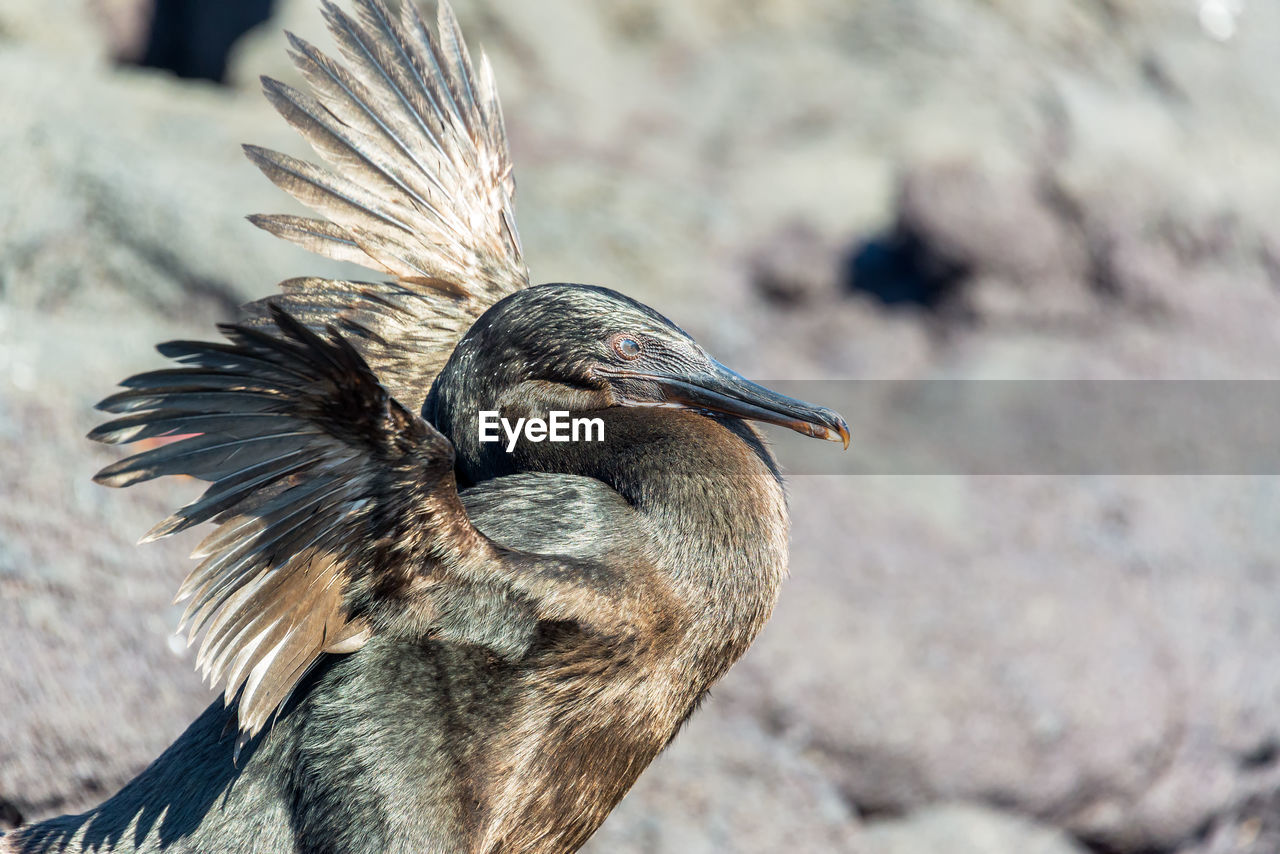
343 94
316 235
330 502
421 188
336 515
335 509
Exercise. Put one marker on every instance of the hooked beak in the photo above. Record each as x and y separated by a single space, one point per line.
723 391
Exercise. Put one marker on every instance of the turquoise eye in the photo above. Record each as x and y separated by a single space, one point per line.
626 347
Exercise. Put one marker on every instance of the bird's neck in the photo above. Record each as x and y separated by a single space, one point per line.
711 496
715 515
708 489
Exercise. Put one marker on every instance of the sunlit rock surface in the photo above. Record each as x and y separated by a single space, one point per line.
817 190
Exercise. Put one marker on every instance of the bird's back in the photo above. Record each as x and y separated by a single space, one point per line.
404 745
485 671
366 758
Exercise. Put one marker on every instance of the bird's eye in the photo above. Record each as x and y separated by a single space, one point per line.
626 346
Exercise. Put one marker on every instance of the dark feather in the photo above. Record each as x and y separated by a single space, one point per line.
422 190
190 398
311 463
323 487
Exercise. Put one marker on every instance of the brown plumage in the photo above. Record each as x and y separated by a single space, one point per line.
429 642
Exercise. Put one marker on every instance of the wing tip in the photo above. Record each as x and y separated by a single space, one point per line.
112 433
274 224
259 155
171 525
119 474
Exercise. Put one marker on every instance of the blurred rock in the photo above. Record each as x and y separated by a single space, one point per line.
130 196
94 684
979 220
960 829
796 267
962 221
710 792
1096 184
262 50
1051 644
127 25
65 28
1252 829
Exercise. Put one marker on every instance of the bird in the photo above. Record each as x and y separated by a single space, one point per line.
429 641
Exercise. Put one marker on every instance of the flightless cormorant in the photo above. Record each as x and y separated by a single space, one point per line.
429 643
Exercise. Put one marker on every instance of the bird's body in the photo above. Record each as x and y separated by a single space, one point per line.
432 643
393 748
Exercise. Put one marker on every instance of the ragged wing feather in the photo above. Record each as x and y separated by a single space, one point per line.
421 188
322 486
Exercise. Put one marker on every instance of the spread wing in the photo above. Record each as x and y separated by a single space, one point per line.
338 515
420 188
336 509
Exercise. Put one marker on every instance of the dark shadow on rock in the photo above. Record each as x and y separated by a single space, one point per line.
898 269
192 38
10 815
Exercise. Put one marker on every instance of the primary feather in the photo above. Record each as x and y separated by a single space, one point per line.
420 188
307 456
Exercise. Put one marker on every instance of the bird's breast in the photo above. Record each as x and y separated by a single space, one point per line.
701 512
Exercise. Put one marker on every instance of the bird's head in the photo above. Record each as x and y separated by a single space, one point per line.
582 348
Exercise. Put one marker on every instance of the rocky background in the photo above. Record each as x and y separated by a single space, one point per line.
971 189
